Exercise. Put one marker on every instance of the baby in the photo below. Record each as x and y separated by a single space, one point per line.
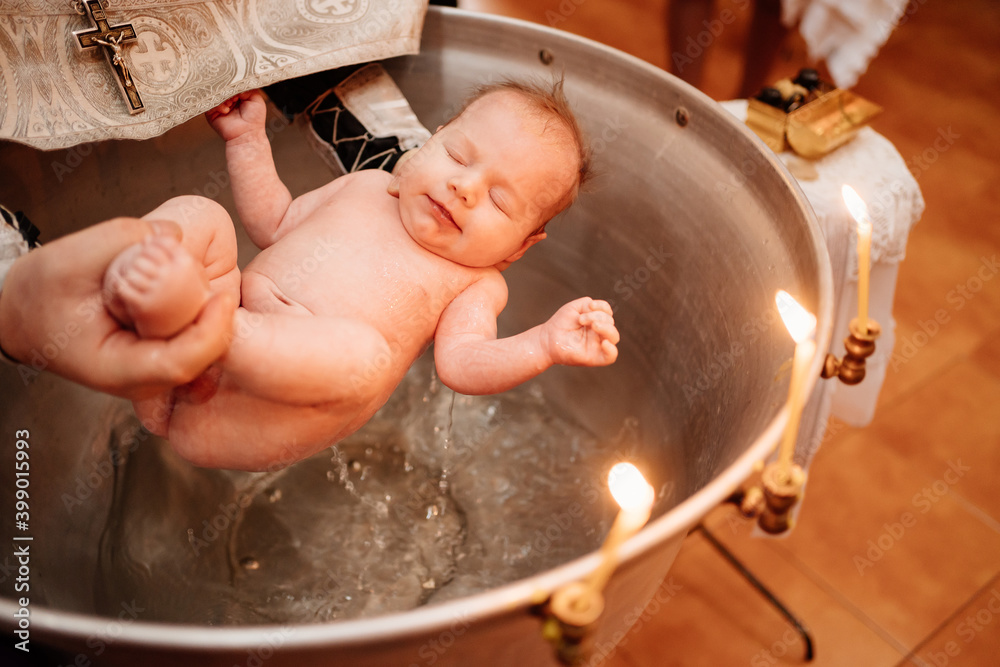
356 278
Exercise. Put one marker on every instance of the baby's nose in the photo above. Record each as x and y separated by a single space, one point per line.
466 187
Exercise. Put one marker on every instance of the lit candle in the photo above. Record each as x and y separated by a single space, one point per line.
859 212
635 497
801 324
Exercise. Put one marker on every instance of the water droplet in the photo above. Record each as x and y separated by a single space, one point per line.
432 511
355 465
249 563
273 495
428 584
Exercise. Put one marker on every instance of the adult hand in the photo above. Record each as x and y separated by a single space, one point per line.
52 317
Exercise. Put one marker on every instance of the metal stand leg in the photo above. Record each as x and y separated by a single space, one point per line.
763 590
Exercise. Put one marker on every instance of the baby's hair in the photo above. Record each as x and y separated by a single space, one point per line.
546 100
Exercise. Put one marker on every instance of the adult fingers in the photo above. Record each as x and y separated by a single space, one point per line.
141 368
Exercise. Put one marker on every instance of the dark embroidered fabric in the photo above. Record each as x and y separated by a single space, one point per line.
355 147
19 221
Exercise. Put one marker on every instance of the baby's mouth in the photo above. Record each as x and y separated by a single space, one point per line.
442 214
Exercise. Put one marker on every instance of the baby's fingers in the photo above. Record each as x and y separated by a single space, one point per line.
610 351
602 323
605 328
599 305
226 107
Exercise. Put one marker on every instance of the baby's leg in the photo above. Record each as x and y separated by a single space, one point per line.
159 286
206 253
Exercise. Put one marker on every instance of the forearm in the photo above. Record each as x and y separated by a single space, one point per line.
262 200
476 365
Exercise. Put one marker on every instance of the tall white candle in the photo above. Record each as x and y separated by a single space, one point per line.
859 211
801 324
635 496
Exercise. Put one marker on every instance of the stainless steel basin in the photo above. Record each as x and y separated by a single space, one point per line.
689 230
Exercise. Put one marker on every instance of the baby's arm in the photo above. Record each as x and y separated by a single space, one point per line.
472 360
263 202
305 360
261 198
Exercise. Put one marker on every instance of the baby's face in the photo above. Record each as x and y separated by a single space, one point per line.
486 181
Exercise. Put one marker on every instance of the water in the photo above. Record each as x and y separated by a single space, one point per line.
439 497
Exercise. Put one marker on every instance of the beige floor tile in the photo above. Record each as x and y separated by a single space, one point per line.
949 431
715 619
719 619
943 309
905 561
971 638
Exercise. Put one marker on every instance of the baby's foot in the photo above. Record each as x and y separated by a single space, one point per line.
155 287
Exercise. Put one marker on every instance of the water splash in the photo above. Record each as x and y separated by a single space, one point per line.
399 515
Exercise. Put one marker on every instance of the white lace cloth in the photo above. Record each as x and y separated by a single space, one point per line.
845 33
12 246
873 167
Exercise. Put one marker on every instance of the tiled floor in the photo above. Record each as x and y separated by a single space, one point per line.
896 557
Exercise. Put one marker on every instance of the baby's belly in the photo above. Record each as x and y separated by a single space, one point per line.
260 294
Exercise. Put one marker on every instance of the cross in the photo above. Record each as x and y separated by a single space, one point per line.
111 38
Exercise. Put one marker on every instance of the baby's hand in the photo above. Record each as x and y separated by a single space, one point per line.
582 333
238 115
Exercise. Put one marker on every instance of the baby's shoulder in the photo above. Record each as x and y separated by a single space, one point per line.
487 283
366 178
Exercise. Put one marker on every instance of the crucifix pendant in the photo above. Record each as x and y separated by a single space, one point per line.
110 38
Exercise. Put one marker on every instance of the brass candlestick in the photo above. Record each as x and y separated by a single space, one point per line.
782 487
570 616
859 345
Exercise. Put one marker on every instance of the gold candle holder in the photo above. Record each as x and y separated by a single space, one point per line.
859 345
782 487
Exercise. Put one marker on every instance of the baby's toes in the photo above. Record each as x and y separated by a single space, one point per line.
137 279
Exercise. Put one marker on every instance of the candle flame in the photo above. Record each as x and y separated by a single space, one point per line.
800 322
856 206
629 487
